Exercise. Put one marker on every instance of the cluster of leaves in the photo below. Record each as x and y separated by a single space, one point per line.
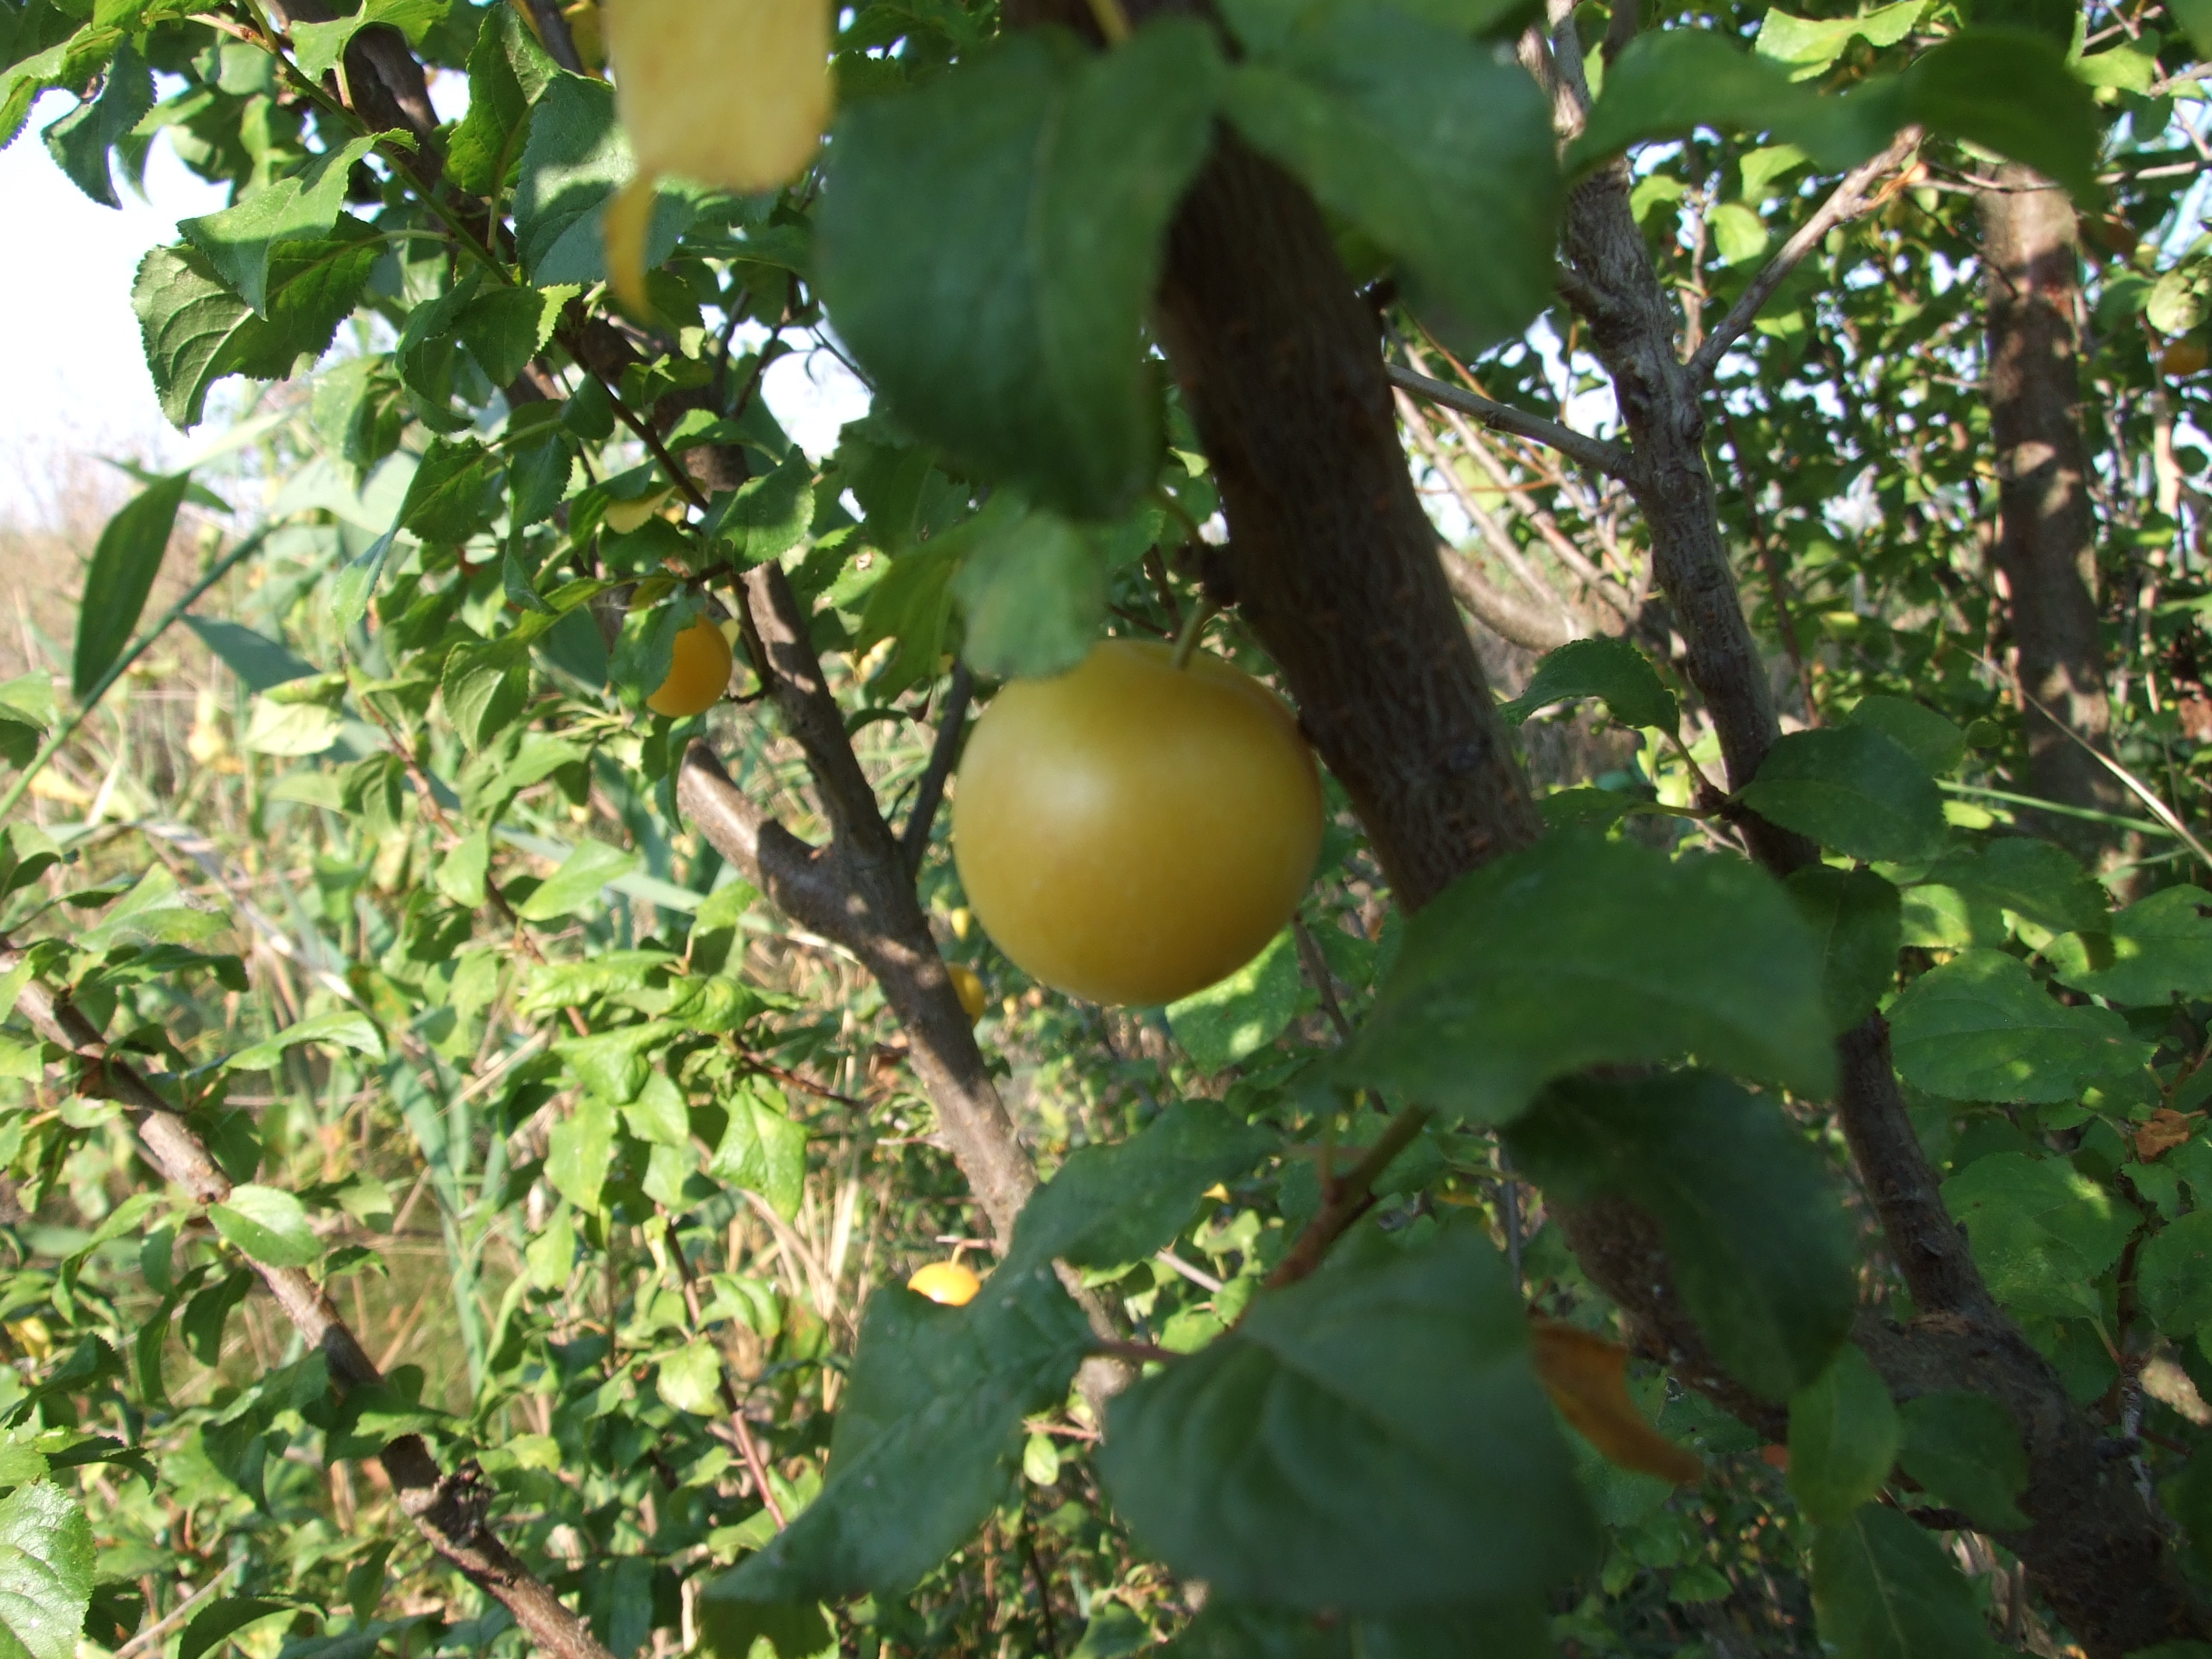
672 1147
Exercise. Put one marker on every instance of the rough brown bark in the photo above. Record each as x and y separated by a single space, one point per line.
449 1511
1332 560
2045 538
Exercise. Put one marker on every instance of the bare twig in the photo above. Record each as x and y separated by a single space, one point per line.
1348 1199
1594 452
1324 984
914 841
1854 194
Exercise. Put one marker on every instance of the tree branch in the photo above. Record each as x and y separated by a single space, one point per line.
1853 195
1532 627
1592 452
1349 1199
449 1511
951 720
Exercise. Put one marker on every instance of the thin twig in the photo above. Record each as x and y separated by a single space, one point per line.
1316 967
1851 197
914 839
1594 452
1349 1199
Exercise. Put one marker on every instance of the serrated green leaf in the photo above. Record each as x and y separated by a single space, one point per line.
1753 1223
508 69
347 1028
2041 1230
1851 787
1613 670
318 47
1882 1589
1805 46
239 240
45 1571
1854 914
690 1379
1965 1449
1042 176
267 1223
123 565
455 494
928 1436
613 1064
81 142
1111 1205
1230 1465
197 332
1844 1435
763 1152
576 1152
2039 880
2155 950
769 516
1426 141
2174 1275
1922 733
1980 1028
1581 951
1235 1018
485 687
578 882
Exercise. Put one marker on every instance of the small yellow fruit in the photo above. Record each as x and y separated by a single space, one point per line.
1130 831
947 1282
963 920
698 672
968 985
2184 358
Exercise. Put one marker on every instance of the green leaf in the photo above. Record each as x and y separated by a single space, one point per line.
347 1028
1112 1205
505 327
763 1152
1427 142
1980 1028
2155 950
913 604
1965 1449
1033 591
1922 732
1516 1629
260 663
1805 46
1039 178
456 493
1234 1465
45 1571
2039 880
1235 1017
1581 951
123 565
1851 787
291 729
1844 1435
2009 90
614 1064
2174 1275
1753 1223
690 1379
267 1223
1853 915
80 141
1668 82
215 1623
356 582
576 157
732 1629
462 873
156 911
1882 1589
67 62
576 1152
508 69
769 516
1613 670
238 240
577 883
485 687
197 332
928 1438
318 47
2041 1230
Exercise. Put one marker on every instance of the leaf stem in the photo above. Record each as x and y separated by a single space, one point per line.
1193 625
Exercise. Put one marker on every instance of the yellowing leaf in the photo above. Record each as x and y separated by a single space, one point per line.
2165 1130
732 92
1587 1378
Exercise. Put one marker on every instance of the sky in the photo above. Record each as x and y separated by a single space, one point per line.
73 382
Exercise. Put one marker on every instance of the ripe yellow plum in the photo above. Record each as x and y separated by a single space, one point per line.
1130 831
947 1282
698 672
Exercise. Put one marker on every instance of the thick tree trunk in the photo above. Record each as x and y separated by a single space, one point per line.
2046 541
